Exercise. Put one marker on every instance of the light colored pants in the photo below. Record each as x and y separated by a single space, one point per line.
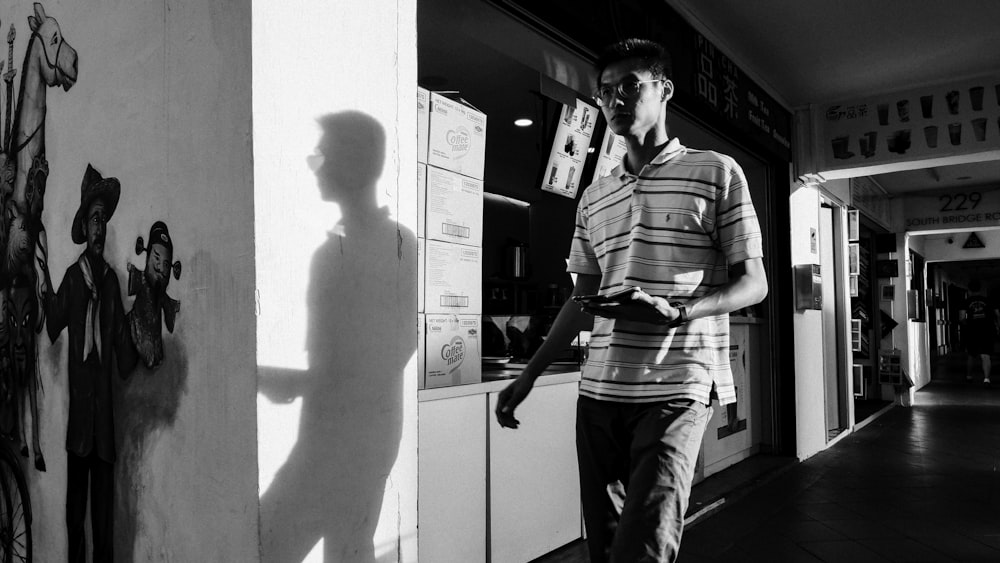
637 462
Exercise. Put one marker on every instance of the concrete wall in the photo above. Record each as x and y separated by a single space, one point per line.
335 84
948 247
161 102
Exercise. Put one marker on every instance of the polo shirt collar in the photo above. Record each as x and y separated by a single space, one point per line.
673 148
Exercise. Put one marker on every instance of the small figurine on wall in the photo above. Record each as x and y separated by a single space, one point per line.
150 288
22 315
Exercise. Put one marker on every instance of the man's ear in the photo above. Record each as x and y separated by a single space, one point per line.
668 91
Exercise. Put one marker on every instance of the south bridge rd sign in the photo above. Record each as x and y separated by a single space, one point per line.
952 209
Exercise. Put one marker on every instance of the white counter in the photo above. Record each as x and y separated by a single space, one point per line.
495 386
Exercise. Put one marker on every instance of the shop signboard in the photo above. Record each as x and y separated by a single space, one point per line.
613 149
574 131
956 119
717 83
871 199
974 208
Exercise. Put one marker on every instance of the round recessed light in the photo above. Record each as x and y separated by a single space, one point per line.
523 122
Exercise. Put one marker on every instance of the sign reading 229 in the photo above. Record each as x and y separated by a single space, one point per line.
960 201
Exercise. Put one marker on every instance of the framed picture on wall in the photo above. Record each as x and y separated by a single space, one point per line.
854 258
853 281
888 292
887 268
856 335
852 225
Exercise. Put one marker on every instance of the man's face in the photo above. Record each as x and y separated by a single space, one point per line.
638 114
21 324
95 227
158 263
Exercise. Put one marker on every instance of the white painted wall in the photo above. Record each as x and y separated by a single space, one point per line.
337 314
938 248
918 351
810 423
162 103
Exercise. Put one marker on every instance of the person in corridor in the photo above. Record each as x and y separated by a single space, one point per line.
980 321
675 228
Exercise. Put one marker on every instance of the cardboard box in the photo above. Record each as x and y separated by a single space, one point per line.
456 138
453 278
423 120
454 207
421 200
452 351
421 353
412 202
421 254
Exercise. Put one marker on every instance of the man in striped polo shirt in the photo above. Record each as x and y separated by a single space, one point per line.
676 224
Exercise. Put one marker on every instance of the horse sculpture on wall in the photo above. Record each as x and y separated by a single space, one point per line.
49 61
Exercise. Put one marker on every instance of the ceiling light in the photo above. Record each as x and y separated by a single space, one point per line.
523 122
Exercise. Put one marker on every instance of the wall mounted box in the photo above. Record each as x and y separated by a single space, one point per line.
808 286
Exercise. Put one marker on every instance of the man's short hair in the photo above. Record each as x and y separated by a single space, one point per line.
652 54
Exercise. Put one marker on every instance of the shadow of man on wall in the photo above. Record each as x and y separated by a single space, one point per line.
360 338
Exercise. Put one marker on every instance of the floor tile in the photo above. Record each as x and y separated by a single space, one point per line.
915 484
904 550
844 551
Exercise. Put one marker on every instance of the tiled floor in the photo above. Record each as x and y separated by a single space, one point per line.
917 484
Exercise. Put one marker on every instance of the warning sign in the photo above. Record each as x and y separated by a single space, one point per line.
973 242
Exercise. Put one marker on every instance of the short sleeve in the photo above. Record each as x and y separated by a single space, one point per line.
582 258
737 228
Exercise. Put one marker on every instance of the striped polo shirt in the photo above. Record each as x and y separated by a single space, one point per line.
672 230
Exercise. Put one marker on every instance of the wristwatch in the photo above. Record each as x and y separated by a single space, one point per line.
682 315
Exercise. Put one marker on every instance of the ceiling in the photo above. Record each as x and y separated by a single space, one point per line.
818 51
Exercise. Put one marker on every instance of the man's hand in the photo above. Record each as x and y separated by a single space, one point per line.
639 306
510 398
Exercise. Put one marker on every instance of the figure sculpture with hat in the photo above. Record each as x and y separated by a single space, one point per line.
152 304
88 301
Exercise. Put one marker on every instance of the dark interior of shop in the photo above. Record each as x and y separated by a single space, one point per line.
498 57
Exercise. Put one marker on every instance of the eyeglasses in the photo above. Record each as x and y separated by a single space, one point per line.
628 88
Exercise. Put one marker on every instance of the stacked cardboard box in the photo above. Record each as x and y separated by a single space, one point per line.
452 150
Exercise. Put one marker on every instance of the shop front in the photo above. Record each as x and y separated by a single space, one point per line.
507 85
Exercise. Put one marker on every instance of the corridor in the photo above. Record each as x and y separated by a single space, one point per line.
917 484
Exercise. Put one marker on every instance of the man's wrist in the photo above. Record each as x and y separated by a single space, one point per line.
682 315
